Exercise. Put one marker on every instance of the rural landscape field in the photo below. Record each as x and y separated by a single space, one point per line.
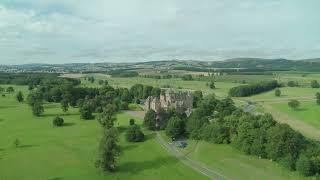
159 90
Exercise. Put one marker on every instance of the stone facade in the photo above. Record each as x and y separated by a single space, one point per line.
180 101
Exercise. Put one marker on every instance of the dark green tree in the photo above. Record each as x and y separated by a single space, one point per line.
304 165
37 108
10 89
131 122
318 98
134 134
150 119
175 127
109 150
197 98
315 84
107 117
86 111
64 105
294 104
58 121
19 96
212 85
277 92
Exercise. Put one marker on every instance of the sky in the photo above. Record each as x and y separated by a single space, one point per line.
69 31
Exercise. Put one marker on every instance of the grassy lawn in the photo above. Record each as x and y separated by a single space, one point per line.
233 164
69 152
308 112
236 165
286 93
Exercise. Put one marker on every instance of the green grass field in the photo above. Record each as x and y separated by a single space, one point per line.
233 164
69 152
308 112
221 90
286 93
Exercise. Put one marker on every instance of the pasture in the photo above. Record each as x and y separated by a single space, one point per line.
308 112
221 89
233 164
69 152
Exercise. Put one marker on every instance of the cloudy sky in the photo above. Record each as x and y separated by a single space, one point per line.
61 31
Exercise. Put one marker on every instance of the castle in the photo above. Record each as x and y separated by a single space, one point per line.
181 101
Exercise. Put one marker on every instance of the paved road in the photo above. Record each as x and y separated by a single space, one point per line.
187 161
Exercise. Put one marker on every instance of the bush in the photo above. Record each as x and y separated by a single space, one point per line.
294 104
315 84
134 134
131 122
277 92
58 121
19 96
292 84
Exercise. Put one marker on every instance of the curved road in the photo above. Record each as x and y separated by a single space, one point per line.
187 161
172 149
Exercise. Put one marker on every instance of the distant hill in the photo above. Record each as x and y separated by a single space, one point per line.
244 64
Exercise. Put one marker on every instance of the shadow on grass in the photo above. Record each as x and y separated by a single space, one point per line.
69 124
1 120
7 107
150 136
61 115
128 147
122 129
137 167
55 178
27 146
301 109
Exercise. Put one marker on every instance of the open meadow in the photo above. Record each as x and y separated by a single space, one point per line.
69 152
308 112
233 164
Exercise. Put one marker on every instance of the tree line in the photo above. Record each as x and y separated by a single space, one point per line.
221 122
248 90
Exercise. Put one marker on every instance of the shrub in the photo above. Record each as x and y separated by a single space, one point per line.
58 121
294 104
315 84
277 92
131 122
134 134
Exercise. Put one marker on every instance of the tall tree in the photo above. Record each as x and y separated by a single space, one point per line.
107 117
109 150
150 120
19 96
277 92
294 104
64 105
315 84
175 127
318 98
37 108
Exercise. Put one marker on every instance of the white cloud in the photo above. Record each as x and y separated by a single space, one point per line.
104 30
